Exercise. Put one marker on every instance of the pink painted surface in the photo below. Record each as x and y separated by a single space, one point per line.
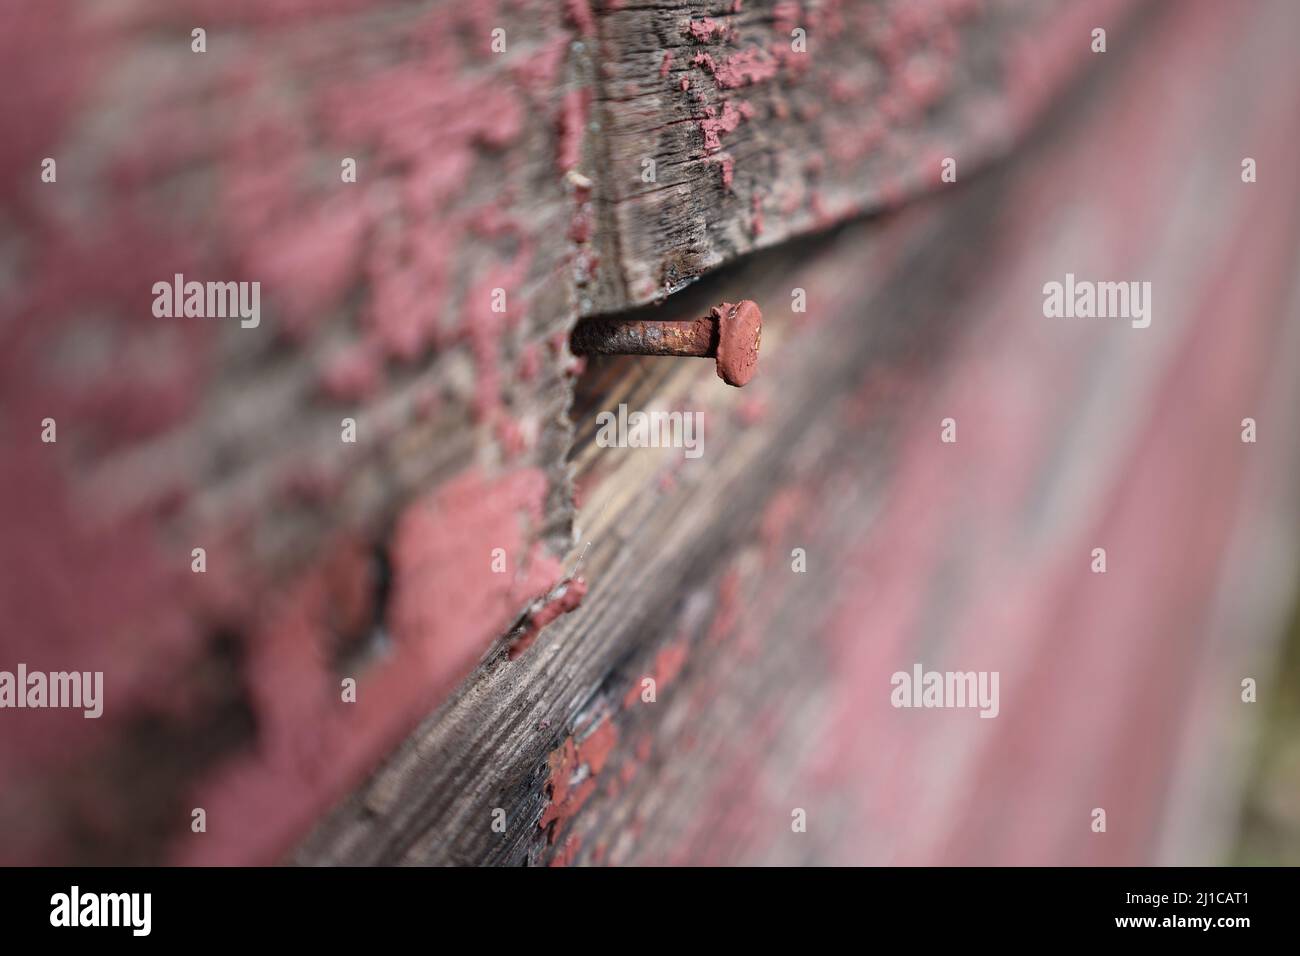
226 165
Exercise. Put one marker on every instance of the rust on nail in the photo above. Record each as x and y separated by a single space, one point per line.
730 333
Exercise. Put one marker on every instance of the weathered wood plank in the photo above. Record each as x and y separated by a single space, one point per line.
727 127
773 685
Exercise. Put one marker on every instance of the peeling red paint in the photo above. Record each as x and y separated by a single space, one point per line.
446 606
756 214
668 663
709 30
581 760
745 68
596 748
566 599
581 225
705 60
438 590
728 166
714 126
573 122
559 345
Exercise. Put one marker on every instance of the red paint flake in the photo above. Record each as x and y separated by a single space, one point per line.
745 68
586 262
705 60
714 126
598 745
668 663
709 30
685 84
567 598
727 615
573 121
665 63
728 165
756 215
562 763
567 762
580 225
442 597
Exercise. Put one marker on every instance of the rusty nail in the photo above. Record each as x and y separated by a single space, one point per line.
730 333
